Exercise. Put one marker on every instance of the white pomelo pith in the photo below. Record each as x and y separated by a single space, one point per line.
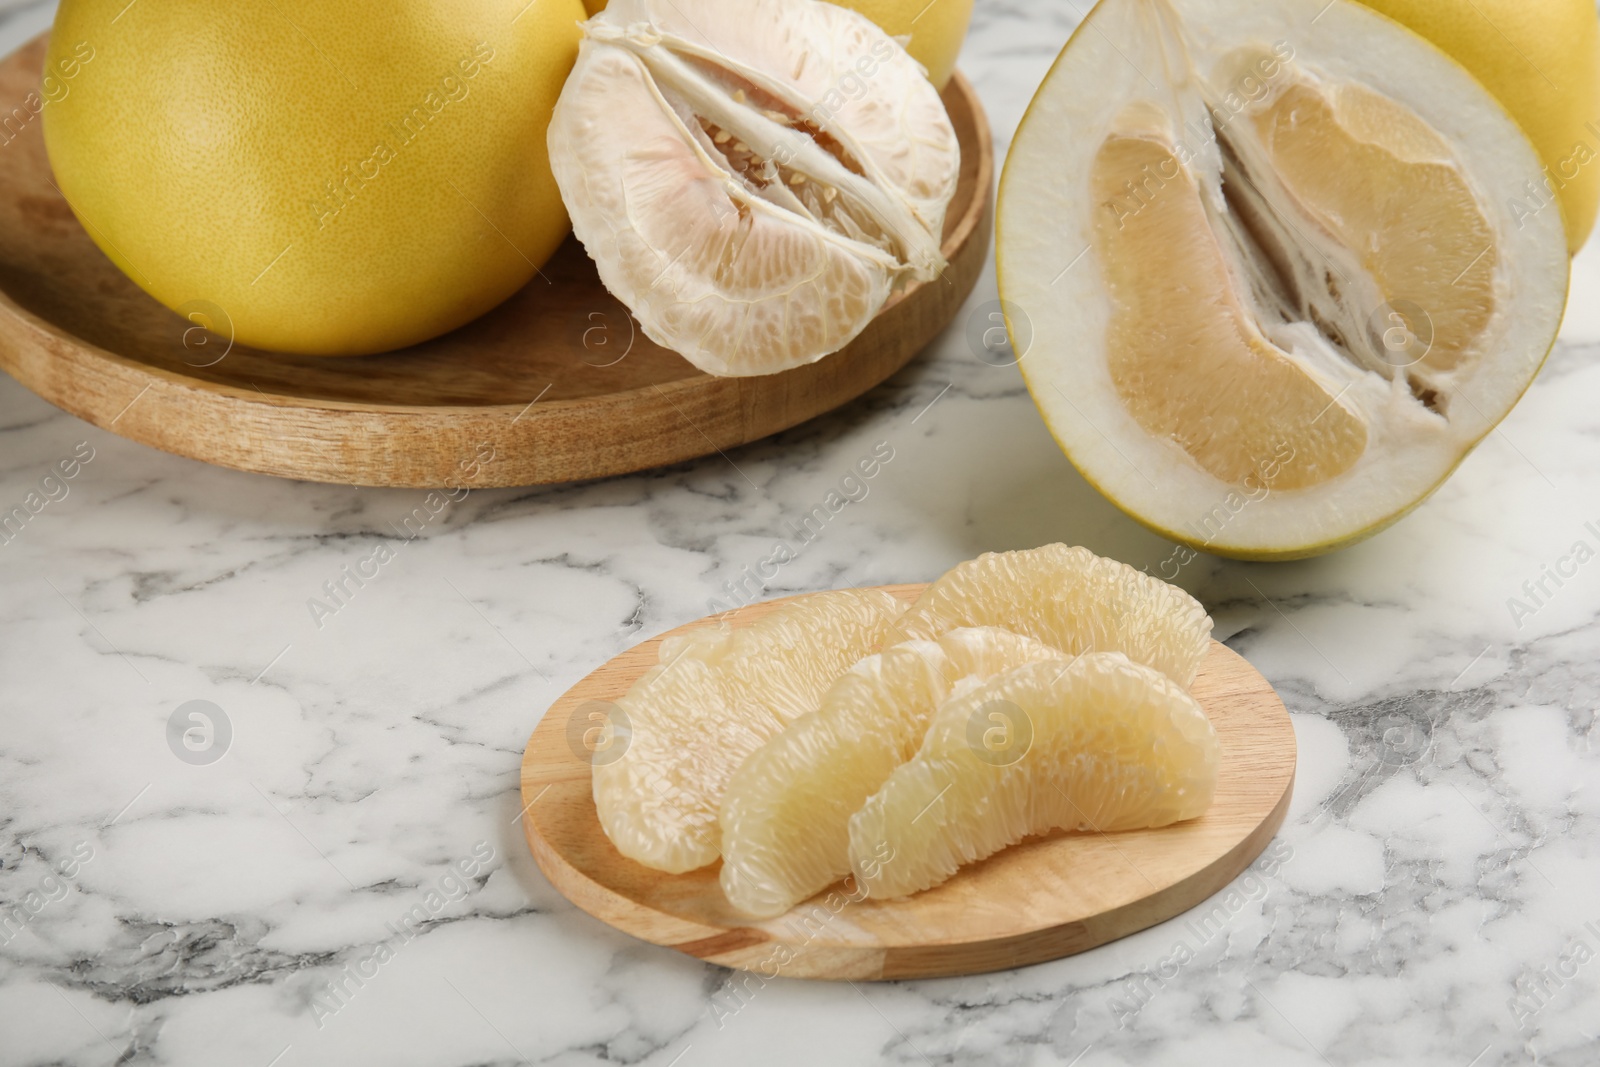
753 178
1274 267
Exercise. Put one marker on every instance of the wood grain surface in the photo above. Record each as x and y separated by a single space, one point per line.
1047 897
557 382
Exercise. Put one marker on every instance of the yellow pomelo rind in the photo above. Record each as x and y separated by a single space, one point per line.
936 29
311 184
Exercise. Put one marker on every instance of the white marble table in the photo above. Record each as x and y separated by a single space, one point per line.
298 902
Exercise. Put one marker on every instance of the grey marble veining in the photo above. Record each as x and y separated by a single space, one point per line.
347 884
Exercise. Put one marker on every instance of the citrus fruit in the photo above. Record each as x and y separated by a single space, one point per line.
1276 283
1071 600
934 29
753 198
1541 59
716 696
786 812
323 178
1095 743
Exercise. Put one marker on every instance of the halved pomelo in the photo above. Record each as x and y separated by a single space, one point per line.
716 696
786 811
1096 743
1272 259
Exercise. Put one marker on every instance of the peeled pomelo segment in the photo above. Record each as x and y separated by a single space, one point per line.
717 696
1071 600
786 811
1101 744
752 215
976 652
1277 266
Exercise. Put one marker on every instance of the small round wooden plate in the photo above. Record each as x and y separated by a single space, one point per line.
1045 898
558 381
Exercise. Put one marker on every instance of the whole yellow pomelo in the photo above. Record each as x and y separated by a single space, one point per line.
1541 60
936 28
337 179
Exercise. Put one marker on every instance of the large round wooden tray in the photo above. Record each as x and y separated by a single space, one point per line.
1047 897
558 381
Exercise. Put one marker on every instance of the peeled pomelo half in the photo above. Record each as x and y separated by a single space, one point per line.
716 696
786 812
752 178
1072 600
1096 743
1275 264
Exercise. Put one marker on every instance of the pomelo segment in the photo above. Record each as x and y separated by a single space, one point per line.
718 695
1398 200
1277 266
1097 743
1175 334
786 812
1071 600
